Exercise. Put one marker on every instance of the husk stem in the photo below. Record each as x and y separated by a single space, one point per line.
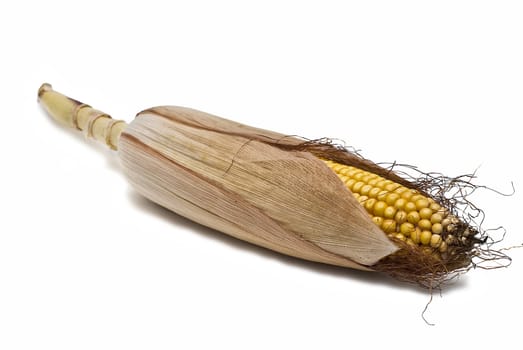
77 115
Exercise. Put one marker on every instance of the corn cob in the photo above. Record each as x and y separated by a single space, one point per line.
305 199
404 214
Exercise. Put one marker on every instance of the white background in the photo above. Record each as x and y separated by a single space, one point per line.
85 263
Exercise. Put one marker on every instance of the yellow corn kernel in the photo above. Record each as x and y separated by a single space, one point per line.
400 204
381 184
379 208
357 186
425 237
436 218
338 168
366 189
366 178
435 241
341 170
410 206
400 217
400 190
374 192
391 198
413 217
388 226
377 220
416 235
389 212
350 183
359 176
407 195
416 197
382 196
437 228
362 199
425 224
369 204
425 213
374 181
407 228
422 203
435 207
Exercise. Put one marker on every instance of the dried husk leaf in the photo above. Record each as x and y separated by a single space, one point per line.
250 183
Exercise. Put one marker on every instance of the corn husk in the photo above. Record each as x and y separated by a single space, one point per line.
244 182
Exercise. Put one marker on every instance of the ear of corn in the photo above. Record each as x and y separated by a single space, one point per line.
306 199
